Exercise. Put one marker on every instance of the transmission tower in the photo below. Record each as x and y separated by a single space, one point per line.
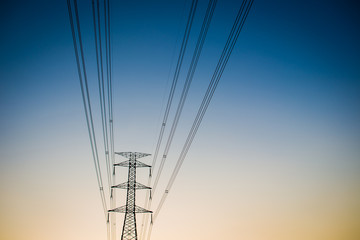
129 231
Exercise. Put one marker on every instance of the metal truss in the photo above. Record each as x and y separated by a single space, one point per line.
129 231
129 155
127 164
125 185
137 209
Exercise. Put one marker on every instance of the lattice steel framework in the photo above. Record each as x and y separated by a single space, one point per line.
129 231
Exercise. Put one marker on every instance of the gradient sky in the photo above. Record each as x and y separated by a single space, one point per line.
277 156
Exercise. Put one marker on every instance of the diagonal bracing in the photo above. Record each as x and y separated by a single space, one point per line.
129 231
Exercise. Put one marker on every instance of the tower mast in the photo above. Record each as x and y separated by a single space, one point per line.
129 231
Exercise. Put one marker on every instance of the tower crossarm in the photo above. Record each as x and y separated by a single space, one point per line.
128 163
136 155
125 185
137 209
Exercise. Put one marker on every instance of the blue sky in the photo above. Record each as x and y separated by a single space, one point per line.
283 128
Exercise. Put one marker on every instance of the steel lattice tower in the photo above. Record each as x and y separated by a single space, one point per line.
129 231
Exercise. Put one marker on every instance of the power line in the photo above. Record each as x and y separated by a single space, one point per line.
108 134
208 96
189 77
173 87
195 58
109 74
229 46
110 109
99 64
176 76
148 193
102 94
86 96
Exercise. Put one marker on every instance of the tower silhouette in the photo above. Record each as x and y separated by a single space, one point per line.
129 231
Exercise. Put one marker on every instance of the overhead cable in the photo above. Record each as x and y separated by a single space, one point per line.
109 74
229 46
195 58
176 76
148 193
187 84
100 74
173 86
80 61
110 112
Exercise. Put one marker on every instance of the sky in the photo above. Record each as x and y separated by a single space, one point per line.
277 156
